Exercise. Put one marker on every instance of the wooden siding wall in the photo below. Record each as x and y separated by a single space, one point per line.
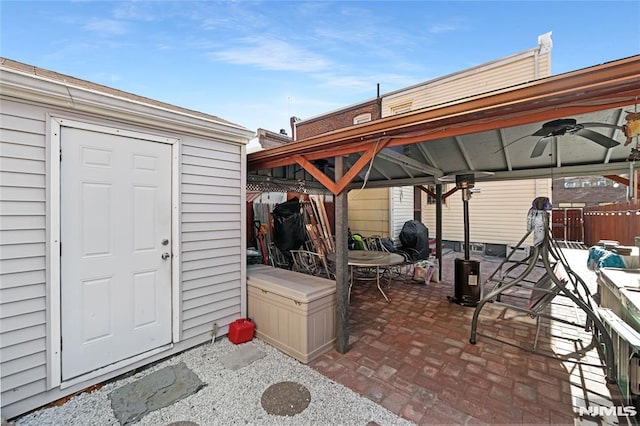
369 211
402 207
22 252
493 76
497 215
618 222
211 235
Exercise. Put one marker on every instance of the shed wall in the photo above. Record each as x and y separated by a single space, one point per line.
211 228
23 337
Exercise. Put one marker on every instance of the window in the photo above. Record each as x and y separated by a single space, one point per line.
401 108
362 118
430 199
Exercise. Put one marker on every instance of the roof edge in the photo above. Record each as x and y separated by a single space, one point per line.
40 85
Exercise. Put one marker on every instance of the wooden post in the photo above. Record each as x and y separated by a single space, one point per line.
342 267
439 228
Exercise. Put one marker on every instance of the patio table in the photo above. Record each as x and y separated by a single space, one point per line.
369 259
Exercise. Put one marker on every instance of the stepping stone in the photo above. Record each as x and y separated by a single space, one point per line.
160 389
241 357
285 399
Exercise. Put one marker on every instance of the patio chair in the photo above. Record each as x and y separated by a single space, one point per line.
309 262
277 258
379 243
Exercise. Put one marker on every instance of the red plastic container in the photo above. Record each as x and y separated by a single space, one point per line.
241 330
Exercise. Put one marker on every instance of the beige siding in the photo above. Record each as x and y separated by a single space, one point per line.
497 215
369 211
484 78
22 252
211 235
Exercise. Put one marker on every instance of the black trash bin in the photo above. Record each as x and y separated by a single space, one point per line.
467 282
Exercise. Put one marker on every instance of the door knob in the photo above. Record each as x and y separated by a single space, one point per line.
165 256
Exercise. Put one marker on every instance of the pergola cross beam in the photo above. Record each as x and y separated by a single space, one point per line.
336 187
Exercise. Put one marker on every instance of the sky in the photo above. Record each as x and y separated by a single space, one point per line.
257 63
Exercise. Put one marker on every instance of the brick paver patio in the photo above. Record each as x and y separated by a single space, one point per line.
413 357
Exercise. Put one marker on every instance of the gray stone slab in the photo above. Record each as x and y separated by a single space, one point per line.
241 357
157 390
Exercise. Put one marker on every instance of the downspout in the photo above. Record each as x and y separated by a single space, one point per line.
294 134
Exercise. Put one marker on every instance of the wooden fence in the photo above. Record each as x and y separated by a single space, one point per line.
618 222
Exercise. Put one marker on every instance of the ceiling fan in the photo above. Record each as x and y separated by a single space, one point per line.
569 126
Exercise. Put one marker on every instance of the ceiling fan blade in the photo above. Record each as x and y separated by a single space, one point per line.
611 126
598 138
539 148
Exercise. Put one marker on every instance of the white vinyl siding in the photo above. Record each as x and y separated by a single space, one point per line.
211 204
497 215
402 208
211 236
22 252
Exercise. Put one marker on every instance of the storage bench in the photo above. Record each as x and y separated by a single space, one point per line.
292 311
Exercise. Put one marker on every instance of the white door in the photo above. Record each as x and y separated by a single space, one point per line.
115 248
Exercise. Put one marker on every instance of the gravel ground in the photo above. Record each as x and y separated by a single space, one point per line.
230 397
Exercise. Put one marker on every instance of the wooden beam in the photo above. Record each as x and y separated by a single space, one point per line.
427 190
624 181
344 181
315 172
618 179
359 165
449 193
342 267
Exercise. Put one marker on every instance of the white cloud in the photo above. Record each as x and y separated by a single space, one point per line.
446 28
356 83
271 54
106 26
366 84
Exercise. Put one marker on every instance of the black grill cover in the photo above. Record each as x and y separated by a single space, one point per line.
288 226
415 235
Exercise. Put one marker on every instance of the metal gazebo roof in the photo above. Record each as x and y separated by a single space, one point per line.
474 134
